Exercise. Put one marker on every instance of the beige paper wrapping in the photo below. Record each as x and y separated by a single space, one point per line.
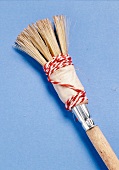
66 75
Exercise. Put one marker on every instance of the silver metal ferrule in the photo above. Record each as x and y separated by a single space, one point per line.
82 114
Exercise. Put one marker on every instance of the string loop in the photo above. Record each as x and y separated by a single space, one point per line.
59 62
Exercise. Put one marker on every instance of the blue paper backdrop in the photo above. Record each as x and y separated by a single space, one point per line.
36 132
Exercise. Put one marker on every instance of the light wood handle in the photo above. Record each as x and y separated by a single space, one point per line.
103 148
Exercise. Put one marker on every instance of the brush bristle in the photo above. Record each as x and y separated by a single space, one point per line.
40 42
60 24
23 43
47 32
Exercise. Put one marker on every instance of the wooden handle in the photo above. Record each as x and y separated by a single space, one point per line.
103 148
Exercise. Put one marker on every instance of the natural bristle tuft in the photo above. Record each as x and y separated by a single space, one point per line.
40 42
60 24
46 31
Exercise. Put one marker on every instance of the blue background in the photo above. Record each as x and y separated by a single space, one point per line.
36 132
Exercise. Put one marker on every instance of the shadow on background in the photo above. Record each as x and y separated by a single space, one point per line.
77 126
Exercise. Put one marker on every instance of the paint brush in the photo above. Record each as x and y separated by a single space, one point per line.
47 44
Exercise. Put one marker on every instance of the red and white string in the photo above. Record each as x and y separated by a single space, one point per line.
59 62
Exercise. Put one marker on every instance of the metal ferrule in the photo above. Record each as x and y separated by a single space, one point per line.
82 114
